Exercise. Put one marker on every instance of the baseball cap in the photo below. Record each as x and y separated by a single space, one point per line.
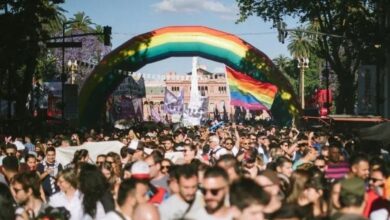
352 186
140 170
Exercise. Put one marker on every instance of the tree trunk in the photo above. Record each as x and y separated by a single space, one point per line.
345 101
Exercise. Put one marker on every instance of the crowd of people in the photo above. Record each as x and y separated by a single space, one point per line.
227 172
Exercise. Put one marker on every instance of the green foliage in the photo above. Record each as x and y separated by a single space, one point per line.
289 67
25 26
356 21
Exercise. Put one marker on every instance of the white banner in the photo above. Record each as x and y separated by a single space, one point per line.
64 155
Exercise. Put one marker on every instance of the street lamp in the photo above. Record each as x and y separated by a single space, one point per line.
303 63
73 69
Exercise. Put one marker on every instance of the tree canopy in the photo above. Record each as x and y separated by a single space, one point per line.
355 22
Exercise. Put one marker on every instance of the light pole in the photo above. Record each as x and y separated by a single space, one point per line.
63 75
73 69
303 63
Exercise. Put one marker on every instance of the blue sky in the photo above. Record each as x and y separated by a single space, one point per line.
129 18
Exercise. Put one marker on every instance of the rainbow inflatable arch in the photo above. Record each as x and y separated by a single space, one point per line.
178 41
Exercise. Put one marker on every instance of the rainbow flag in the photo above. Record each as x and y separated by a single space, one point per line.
248 92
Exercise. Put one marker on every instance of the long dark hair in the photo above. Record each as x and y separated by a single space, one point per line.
93 185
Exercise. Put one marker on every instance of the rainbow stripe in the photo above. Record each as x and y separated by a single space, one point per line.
248 92
173 42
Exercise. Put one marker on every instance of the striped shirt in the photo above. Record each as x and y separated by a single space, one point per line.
336 170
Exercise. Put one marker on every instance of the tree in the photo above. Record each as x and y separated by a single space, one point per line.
82 22
354 20
300 45
24 30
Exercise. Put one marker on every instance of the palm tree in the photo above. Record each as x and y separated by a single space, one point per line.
300 47
81 21
55 25
99 29
300 44
281 62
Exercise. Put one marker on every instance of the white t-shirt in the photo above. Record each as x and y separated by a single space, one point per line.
203 215
75 206
218 151
175 207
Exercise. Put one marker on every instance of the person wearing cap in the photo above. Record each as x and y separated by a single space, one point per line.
141 170
352 199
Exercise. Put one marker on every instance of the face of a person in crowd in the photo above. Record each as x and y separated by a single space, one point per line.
63 184
85 159
252 139
50 156
32 163
362 169
263 141
252 212
10 152
313 194
21 196
245 144
165 165
125 141
179 138
325 151
312 154
320 164
285 169
188 188
141 193
138 155
212 143
168 145
106 172
334 154
377 180
188 154
100 160
154 167
110 160
229 144
214 190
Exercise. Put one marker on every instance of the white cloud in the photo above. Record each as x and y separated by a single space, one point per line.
214 6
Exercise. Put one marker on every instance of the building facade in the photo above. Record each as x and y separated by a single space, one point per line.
212 85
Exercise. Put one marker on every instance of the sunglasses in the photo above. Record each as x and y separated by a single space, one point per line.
110 162
228 143
213 192
320 166
165 167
